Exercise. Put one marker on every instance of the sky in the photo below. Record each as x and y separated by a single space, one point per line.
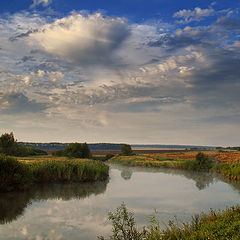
132 71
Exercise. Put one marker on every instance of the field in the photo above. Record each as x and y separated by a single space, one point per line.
225 162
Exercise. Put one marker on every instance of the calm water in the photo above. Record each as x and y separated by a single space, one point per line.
79 211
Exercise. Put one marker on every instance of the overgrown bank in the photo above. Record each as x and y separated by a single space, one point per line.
226 163
22 174
219 225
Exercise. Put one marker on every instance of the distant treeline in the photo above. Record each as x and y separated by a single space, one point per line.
61 146
173 146
106 146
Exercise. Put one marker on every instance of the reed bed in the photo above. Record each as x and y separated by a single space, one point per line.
71 170
21 173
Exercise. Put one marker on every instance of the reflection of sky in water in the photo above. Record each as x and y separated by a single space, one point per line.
84 215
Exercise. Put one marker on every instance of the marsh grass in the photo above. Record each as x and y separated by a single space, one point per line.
22 173
13 174
72 170
229 170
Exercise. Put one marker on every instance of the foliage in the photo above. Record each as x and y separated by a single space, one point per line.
9 146
219 225
126 150
13 174
230 170
74 170
21 174
74 150
123 225
58 153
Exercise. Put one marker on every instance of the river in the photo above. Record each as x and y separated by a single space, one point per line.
79 211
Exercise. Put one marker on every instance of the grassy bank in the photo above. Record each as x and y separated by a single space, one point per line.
219 225
226 163
21 173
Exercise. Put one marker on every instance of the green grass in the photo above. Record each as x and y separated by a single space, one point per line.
229 170
220 225
23 173
151 161
69 171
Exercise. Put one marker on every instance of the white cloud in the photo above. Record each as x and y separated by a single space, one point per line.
82 39
197 14
38 2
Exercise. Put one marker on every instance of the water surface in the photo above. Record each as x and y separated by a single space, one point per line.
79 211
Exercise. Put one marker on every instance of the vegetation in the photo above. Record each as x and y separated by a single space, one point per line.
21 174
126 150
219 225
226 163
102 158
13 174
75 170
123 225
74 150
9 146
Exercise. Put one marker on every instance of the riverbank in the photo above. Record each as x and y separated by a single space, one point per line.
22 173
219 225
227 163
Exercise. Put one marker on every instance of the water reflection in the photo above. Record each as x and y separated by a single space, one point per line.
12 204
202 179
79 211
126 174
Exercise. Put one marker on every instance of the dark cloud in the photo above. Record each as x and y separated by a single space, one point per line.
228 23
18 103
22 35
173 42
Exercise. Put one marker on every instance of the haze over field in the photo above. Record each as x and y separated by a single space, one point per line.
153 71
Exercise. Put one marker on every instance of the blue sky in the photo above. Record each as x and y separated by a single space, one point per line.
135 71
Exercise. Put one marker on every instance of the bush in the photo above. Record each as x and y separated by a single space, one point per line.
77 150
203 162
126 150
123 225
14 175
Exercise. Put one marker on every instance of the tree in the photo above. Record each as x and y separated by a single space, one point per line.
8 144
77 150
203 162
126 150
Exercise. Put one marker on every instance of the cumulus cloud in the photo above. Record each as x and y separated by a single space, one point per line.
197 14
155 74
82 39
38 2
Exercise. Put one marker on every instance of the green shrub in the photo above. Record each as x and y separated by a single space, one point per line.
14 175
123 225
126 150
77 150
